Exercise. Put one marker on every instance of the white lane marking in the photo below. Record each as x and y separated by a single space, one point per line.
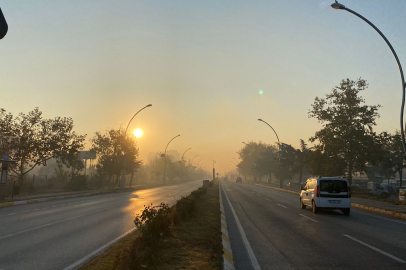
85 259
268 199
251 254
281 205
388 219
36 210
376 249
44 208
308 218
11 214
53 223
63 204
55 206
258 195
26 211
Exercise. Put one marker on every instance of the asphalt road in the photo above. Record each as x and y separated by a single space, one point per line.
280 235
57 234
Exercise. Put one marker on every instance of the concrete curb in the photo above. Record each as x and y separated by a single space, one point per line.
228 261
7 204
375 210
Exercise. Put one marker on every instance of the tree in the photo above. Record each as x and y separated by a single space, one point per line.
347 140
32 140
112 148
302 158
249 155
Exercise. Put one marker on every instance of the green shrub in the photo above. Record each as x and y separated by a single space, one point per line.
199 192
184 209
154 223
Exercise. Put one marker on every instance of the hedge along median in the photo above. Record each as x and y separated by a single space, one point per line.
184 236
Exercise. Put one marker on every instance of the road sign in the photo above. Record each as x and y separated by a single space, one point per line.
86 155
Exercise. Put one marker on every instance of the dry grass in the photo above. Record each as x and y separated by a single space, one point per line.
194 244
112 257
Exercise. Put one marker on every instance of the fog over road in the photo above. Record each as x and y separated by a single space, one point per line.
283 236
56 234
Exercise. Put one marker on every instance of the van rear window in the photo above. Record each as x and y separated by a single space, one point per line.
333 186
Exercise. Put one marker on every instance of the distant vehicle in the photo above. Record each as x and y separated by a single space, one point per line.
378 190
326 193
238 180
391 189
402 194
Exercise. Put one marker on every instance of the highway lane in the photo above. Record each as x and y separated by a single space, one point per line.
283 236
56 234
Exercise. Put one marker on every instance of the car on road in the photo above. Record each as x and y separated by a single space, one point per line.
238 180
326 193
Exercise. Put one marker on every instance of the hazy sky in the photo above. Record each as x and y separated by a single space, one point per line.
200 63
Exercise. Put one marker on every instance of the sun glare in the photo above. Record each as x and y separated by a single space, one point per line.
138 133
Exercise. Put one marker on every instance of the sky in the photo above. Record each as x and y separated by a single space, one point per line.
201 64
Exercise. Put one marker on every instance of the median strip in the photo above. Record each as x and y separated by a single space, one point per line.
228 261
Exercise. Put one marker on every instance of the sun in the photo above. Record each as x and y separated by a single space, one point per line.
138 133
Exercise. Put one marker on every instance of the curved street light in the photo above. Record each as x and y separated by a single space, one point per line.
279 154
123 172
181 162
245 143
165 157
184 155
197 165
191 163
337 5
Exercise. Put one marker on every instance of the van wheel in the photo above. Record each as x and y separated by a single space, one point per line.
314 207
301 204
346 211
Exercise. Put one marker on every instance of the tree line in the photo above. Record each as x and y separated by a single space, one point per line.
345 145
32 141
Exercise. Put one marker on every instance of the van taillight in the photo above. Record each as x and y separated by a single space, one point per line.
349 192
317 191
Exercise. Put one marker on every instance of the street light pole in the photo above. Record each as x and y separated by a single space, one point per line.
123 172
214 170
165 157
197 165
191 163
279 154
181 162
337 5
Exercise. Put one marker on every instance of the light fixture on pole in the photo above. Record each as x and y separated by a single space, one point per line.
279 155
123 171
337 5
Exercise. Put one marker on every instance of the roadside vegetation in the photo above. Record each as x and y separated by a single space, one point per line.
47 152
346 145
184 236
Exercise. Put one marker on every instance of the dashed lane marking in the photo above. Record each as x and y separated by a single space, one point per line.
376 249
268 199
308 218
11 214
281 205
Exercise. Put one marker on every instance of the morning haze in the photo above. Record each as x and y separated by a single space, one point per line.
201 65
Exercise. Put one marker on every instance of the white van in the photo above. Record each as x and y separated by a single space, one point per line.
326 193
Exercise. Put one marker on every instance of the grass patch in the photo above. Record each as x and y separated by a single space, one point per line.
194 241
112 257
